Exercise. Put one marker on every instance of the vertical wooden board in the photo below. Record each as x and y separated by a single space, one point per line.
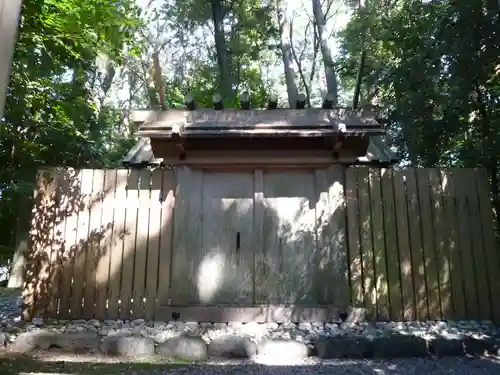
477 245
52 308
187 236
117 244
365 225
46 249
427 223
337 235
260 272
224 274
469 276
355 261
168 206
37 271
93 243
451 230
81 246
105 243
69 208
68 179
154 238
379 244
403 238
416 246
391 245
272 242
245 258
491 256
129 246
289 236
323 255
141 245
441 243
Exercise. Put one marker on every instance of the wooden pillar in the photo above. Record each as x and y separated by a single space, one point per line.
9 21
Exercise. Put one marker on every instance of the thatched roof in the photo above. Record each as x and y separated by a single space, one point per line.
206 124
308 122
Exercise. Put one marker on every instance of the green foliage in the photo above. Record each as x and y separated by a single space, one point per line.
57 112
251 33
433 66
205 85
53 116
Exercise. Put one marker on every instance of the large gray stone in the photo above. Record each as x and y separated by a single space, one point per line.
29 341
494 348
447 347
77 342
479 347
343 347
398 346
43 339
183 347
231 347
128 346
283 348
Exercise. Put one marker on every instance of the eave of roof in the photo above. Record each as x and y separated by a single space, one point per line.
241 133
378 154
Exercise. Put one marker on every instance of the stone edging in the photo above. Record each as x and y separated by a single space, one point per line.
200 341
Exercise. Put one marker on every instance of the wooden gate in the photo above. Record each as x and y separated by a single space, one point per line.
218 217
289 237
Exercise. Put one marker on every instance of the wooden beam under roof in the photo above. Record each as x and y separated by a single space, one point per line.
314 151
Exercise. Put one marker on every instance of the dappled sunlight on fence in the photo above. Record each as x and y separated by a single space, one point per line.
79 243
401 244
420 231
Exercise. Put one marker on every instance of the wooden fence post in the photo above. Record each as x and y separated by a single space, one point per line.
9 22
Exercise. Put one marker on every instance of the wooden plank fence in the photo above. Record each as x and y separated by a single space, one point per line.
419 244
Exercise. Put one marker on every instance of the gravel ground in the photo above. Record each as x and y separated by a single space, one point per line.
458 366
10 317
401 367
10 321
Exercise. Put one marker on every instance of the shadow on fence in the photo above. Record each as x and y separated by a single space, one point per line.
56 257
398 243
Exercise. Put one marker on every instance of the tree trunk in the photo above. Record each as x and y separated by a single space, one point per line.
225 81
158 79
331 75
286 51
359 79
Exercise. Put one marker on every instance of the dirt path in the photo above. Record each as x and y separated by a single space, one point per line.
61 364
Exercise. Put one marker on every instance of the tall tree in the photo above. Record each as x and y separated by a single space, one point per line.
432 67
225 76
286 51
55 111
326 52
